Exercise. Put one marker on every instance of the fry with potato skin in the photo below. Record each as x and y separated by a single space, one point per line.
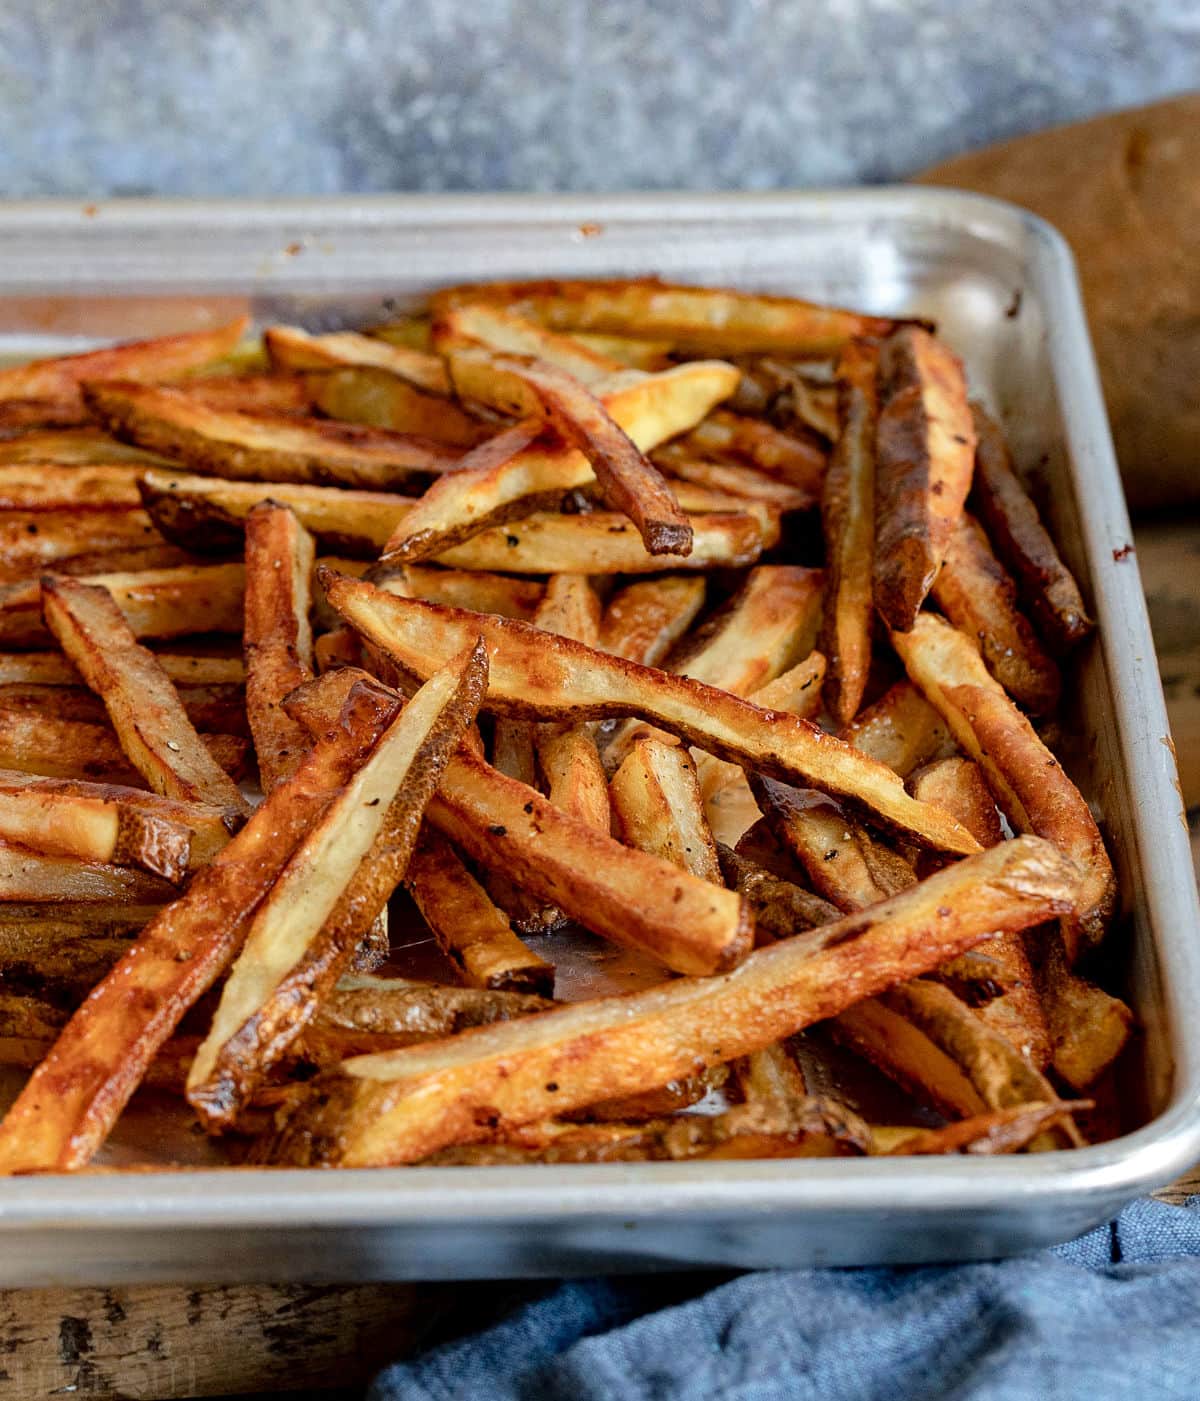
1027 780
218 709
294 349
901 729
143 705
500 331
74 1097
277 641
1017 535
785 458
32 878
848 526
975 592
996 1131
658 808
571 681
924 457
337 882
469 929
781 908
105 822
644 620
405 1105
381 399
53 669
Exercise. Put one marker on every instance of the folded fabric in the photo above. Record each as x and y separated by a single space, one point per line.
1113 1314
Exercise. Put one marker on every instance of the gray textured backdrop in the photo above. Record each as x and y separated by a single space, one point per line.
312 96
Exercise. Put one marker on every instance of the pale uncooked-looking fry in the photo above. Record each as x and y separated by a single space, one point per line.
402 1106
924 456
975 592
848 525
264 447
1027 780
537 674
470 930
383 400
658 808
624 895
649 409
165 357
106 822
644 620
74 1097
304 933
1048 588
698 319
41 744
277 641
142 703
294 349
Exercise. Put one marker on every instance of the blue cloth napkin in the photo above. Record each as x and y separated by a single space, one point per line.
1114 1314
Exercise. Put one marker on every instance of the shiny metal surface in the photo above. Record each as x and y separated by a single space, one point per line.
1003 289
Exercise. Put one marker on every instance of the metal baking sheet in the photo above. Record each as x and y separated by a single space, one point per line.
1002 287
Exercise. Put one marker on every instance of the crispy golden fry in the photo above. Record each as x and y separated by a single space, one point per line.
383 400
76 447
650 409
924 457
974 591
731 479
643 621
470 930
1026 779
75 1095
957 784
304 933
215 708
1088 1028
46 486
475 589
997 1131
336 648
749 442
628 351
402 1106
537 674
40 744
108 823
844 862
266 394
31 541
412 330
290 348
488 325
53 669
901 730
780 907
1047 587
64 949
277 644
143 705
514 755
42 415
706 320
658 808
265 447
166 357
848 524
32 878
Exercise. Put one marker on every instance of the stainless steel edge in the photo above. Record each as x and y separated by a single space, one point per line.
426 1223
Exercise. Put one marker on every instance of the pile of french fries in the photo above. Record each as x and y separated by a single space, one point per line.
515 607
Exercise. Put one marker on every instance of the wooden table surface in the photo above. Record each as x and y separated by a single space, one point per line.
166 1342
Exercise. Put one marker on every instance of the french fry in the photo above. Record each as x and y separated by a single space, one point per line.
404 1105
381 399
781 908
491 326
63 950
644 620
277 643
46 486
753 444
629 351
649 410
1046 585
658 808
265 394
514 755
290 348
40 744
142 703
537 674
29 877
705 320
76 447
470 930
1027 780
53 669
924 457
74 1097
47 414
164 358
1088 1028
264 447
731 479
996 1131
848 524
212 708
31 541
975 592
304 933
108 823
901 730
475 589
412 330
